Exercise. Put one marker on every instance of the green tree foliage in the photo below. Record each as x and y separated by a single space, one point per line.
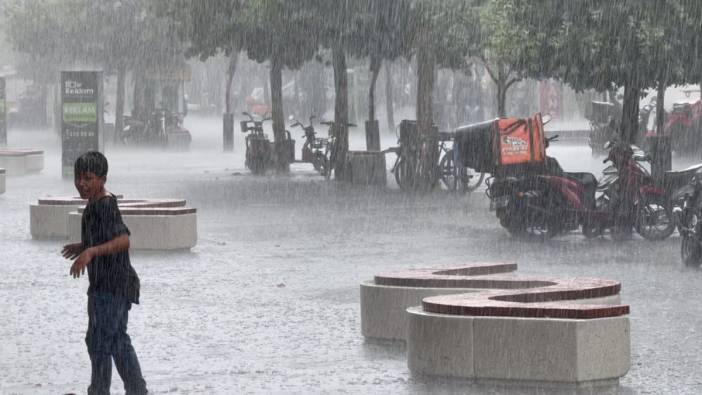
515 42
636 45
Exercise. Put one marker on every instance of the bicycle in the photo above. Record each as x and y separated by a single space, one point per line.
452 177
331 148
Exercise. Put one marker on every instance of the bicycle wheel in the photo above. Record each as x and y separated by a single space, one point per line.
401 173
447 172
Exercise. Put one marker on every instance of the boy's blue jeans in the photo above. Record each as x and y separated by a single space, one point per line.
107 339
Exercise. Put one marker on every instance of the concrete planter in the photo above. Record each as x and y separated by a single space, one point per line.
515 348
385 299
18 162
151 228
477 322
155 224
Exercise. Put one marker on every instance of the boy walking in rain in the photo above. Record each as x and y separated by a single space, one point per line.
114 285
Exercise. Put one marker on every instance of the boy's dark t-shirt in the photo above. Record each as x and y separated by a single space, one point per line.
113 273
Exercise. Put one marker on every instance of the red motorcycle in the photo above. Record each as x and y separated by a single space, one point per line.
548 201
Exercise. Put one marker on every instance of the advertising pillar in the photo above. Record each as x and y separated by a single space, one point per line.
3 114
81 121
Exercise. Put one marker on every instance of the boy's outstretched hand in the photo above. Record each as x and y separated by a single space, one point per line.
71 251
80 264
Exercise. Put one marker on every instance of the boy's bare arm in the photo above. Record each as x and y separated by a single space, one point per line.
118 244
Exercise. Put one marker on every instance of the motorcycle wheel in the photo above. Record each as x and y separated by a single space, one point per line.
591 231
532 226
691 251
654 218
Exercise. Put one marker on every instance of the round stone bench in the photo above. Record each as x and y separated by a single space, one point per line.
150 221
152 228
487 325
48 218
2 180
570 331
385 299
20 161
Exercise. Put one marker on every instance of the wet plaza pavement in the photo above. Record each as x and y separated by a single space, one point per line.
268 301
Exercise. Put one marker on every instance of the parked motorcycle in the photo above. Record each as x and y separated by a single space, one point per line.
314 148
547 201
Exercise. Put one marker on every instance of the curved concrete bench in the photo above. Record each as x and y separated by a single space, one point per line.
2 180
161 224
48 218
385 299
20 161
152 228
536 330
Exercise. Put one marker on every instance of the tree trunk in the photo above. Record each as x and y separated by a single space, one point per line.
372 129
281 153
318 89
230 77
266 88
660 108
375 70
341 112
119 106
501 84
661 144
389 96
426 152
629 128
299 105
137 94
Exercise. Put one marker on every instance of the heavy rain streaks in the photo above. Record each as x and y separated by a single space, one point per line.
198 102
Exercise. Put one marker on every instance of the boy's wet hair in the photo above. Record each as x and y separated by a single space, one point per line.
91 161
